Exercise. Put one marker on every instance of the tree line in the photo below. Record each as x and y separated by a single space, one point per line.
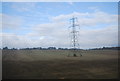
106 48
35 48
54 48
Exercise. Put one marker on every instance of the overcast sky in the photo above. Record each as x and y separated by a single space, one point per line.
45 24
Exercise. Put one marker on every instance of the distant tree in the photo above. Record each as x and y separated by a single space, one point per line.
14 49
34 48
40 48
5 48
24 48
27 48
65 48
104 47
51 48
60 48
118 48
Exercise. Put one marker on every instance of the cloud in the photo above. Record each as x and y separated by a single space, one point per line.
71 3
87 19
95 8
10 22
24 7
107 36
55 33
87 39
17 41
68 16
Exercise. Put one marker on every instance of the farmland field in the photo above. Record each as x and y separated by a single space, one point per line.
54 64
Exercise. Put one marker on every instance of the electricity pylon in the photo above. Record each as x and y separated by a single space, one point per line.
74 38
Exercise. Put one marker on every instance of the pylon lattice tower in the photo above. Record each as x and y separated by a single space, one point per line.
74 38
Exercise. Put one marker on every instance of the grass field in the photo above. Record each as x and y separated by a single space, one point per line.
54 64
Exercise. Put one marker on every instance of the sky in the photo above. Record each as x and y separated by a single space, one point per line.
60 0
46 24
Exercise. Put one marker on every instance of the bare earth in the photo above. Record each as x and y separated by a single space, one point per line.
54 64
